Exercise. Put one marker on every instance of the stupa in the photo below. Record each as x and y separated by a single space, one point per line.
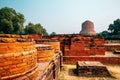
88 29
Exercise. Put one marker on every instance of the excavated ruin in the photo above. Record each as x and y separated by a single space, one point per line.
18 57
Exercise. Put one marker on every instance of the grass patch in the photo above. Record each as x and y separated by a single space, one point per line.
63 68
61 77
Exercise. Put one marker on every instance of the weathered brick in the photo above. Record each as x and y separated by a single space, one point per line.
21 64
17 54
8 55
1 68
6 63
3 48
16 70
9 67
17 61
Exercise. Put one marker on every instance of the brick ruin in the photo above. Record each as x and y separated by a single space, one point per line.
94 68
76 47
18 57
85 46
40 57
112 45
45 53
22 59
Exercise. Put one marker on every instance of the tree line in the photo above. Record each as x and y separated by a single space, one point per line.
113 31
11 22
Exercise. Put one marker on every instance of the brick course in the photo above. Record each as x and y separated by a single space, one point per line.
107 60
110 47
44 53
14 49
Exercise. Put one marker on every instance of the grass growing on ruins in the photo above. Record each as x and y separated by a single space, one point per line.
62 76
68 72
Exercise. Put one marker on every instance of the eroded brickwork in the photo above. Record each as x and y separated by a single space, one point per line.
49 70
102 59
35 36
92 68
77 45
44 53
21 60
112 47
83 48
18 56
54 43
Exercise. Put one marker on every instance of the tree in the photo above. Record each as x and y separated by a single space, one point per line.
53 33
115 27
104 34
11 21
35 29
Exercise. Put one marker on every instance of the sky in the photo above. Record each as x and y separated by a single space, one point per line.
66 16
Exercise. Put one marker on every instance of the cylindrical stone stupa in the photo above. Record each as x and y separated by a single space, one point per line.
88 29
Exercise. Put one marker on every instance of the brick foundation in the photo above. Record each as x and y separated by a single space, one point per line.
107 60
112 47
92 68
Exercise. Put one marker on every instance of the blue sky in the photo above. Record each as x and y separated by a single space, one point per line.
66 16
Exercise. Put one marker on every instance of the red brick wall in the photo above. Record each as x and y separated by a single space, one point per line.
18 56
112 47
108 60
45 53
77 45
36 36
54 43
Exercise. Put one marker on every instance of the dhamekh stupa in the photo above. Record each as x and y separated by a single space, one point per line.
88 29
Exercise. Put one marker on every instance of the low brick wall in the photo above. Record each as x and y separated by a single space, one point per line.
114 47
44 53
92 68
54 43
78 45
18 57
49 70
107 60
84 46
36 36
49 58
57 65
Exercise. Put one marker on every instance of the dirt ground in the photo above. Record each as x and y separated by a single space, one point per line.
68 72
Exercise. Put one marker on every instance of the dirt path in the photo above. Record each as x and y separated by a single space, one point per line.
68 72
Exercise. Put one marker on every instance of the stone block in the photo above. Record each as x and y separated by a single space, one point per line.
91 68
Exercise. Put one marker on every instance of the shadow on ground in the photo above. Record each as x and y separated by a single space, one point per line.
73 72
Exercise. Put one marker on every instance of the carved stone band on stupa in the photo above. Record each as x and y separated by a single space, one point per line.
88 29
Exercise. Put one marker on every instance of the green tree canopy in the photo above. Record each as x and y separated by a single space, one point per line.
113 31
53 33
104 34
35 29
11 21
115 27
